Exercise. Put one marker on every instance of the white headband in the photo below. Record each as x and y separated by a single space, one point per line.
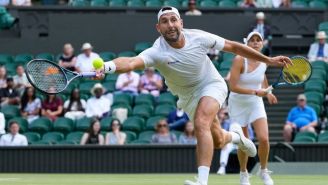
168 9
250 35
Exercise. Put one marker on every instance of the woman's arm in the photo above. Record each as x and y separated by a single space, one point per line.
84 139
122 138
101 139
107 138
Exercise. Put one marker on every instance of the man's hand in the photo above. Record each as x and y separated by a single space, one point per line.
280 61
99 74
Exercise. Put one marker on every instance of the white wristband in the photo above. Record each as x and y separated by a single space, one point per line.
109 67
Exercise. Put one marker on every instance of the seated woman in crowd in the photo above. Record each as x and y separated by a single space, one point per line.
74 108
30 105
68 59
116 137
150 82
93 135
52 107
163 135
188 136
3 77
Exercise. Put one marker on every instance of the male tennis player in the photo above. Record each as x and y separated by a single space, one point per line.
180 56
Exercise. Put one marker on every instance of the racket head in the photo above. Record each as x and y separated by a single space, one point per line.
299 72
46 76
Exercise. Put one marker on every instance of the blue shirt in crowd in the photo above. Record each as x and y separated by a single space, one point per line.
302 116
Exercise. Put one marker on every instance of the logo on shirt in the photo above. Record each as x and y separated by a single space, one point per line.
173 62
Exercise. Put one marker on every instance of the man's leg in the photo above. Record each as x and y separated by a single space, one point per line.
288 130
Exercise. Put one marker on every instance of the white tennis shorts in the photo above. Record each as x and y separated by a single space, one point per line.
189 102
246 111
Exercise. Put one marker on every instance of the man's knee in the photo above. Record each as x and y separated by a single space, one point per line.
288 128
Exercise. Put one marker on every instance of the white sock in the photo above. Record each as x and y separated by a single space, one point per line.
263 170
235 138
203 172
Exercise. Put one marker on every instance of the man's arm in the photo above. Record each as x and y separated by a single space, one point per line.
126 64
247 52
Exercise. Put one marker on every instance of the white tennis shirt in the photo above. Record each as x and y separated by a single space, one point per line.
189 68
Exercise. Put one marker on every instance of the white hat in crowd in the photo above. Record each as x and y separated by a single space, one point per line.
260 15
97 86
321 35
86 46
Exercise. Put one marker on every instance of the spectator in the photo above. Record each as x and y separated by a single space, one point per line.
3 77
285 4
99 105
30 105
2 123
150 82
116 137
68 59
74 108
20 80
84 60
177 119
13 138
163 135
188 136
4 2
21 2
319 50
9 95
265 31
192 9
265 3
248 4
128 82
300 118
52 107
93 136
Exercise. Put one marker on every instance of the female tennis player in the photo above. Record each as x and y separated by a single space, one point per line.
246 105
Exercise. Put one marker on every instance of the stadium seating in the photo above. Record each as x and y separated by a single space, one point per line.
64 125
130 136
83 124
167 98
41 125
152 121
317 4
315 85
111 77
323 137
53 137
85 87
107 55
147 99
47 56
226 65
32 137
10 111
123 98
208 4
117 3
23 124
99 3
134 124
144 111
174 3
227 4
154 4
299 4
135 3
23 58
164 110
6 20
127 54
74 137
4 59
128 107
110 86
80 3
105 124
141 46
146 136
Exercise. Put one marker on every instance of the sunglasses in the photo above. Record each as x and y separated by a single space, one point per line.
160 126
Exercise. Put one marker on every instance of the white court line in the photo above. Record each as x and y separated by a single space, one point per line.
9 179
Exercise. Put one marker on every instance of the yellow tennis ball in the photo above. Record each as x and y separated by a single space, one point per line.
98 63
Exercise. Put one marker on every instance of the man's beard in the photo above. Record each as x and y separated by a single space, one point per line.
174 39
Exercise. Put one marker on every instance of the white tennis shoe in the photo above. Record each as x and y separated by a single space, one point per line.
189 182
265 176
221 171
244 178
245 144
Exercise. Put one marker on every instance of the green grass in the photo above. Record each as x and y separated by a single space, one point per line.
147 179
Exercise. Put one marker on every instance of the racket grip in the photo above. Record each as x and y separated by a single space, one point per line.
269 89
88 74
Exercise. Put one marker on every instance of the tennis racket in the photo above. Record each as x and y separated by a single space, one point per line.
296 74
49 77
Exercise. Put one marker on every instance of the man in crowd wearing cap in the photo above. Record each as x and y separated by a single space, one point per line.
301 118
264 30
319 50
9 95
192 9
180 55
98 105
84 60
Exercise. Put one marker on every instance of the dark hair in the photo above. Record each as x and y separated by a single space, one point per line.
11 123
72 100
24 99
90 129
115 119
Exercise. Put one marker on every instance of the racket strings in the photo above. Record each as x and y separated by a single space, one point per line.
46 76
299 72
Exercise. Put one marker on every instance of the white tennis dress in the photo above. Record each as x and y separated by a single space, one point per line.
244 108
188 71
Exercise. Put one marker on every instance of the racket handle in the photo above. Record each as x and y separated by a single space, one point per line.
269 89
88 74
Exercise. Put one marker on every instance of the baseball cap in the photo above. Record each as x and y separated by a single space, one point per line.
260 15
250 35
301 97
86 46
167 9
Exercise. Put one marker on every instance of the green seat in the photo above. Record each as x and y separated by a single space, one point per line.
111 77
80 3
225 65
47 56
323 26
123 98
65 142
317 4
105 124
227 56
147 99
69 88
154 4
6 20
127 54
315 85
184 3
23 58
107 55
83 124
64 125
177 133
144 111
167 98
32 137
10 111
53 137
319 64
130 136
23 124
117 3
41 142
11 68
304 139
141 46
174 3
164 110
316 107
299 4
135 3
227 4
41 125
314 97
323 137
318 74
74 136
152 121
85 96
128 107
306 134
208 4
224 72
85 87
4 58
141 142
134 124
110 86
146 135
99 3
